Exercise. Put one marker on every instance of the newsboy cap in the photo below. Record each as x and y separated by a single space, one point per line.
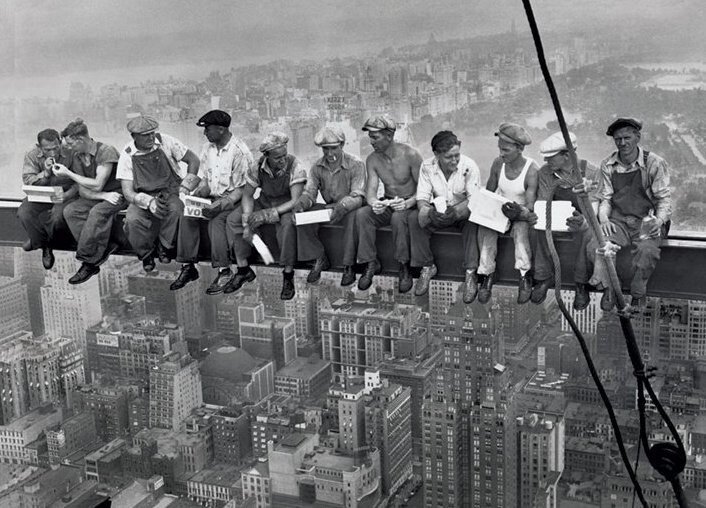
379 123
273 140
142 124
513 133
329 136
214 117
621 122
555 144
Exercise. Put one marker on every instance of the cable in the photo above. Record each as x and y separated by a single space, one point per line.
669 459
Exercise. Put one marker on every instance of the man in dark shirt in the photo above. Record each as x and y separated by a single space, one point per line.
92 215
43 221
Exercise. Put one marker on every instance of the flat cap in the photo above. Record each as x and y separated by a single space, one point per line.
555 144
513 133
214 117
379 123
623 122
329 136
142 124
273 140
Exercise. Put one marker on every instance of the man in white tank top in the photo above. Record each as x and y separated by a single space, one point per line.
513 176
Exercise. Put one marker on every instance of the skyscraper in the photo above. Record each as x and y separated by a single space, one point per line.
15 306
268 337
175 389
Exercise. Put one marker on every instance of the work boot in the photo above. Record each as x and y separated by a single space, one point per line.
244 274
607 300
223 277
582 297
470 286
164 255
486 288
288 290
427 273
112 249
539 291
371 270
524 291
148 264
320 265
47 258
188 273
84 273
405 278
348 276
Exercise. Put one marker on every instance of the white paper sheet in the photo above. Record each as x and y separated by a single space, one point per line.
439 203
262 249
561 210
193 206
43 193
486 210
312 217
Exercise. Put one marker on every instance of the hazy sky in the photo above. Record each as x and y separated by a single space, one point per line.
71 36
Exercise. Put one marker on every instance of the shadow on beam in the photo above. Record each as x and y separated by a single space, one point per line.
680 273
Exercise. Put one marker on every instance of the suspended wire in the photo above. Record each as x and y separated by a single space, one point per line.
666 458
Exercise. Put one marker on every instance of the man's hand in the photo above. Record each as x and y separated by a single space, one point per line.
441 220
248 234
114 198
302 204
60 170
609 228
379 206
210 211
338 211
398 204
202 191
575 222
585 187
260 217
512 210
655 229
189 184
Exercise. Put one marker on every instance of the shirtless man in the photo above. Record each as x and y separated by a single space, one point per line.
396 165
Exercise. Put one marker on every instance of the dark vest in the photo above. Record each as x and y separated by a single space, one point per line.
274 190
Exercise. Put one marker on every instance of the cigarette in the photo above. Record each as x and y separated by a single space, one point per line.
333 157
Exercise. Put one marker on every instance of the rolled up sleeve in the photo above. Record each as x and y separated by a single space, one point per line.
242 164
298 173
472 179
31 172
424 186
661 191
311 190
355 197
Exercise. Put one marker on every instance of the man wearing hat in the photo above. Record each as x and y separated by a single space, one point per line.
513 176
557 171
633 185
340 177
151 179
225 160
44 221
91 216
396 165
280 177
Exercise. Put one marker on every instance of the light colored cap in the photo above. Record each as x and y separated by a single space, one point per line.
555 144
142 124
379 123
329 136
273 140
513 133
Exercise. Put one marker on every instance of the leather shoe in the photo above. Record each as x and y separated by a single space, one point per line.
148 264
27 245
425 276
219 282
486 288
320 265
188 273
348 276
371 270
607 300
164 255
470 286
524 292
405 278
582 298
237 281
112 249
288 290
539 291
47 258
84 273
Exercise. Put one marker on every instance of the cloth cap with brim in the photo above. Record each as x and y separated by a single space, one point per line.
621 122
142 125
329 136
513 133
379 123
555 144
273 140
214 117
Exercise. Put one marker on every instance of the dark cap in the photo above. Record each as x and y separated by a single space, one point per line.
513 133
621 122
214 117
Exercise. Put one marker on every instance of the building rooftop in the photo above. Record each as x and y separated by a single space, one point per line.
38 416
105 450
303 368
221 475
330 460
230 362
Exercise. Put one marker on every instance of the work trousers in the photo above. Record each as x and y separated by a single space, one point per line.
189 239
144 229
368 223
420 242
645 253
488 245
42 222
310 247
91 224
285 232
544 266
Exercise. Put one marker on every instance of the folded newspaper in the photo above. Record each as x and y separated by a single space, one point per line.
193 206
43 193
486 210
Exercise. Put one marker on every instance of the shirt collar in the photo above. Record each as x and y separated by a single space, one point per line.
462 168
227 146
157 144
640 161
345 163
266 168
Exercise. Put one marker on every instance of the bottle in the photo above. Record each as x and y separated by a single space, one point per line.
648 223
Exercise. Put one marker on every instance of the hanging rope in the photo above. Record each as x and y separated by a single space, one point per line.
668 459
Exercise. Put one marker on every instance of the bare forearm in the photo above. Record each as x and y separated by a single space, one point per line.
87 193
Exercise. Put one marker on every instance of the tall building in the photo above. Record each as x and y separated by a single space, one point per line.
519 321
113 277
442 295
15 306
175 389
69 310
182 307
109 406
305 378
227 321
587 319
540 444
231 436
73 434
301 309
25 267
13 377
351 417
267 336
